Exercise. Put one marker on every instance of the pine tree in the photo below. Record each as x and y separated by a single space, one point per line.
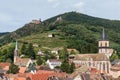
47 55
65 66
10 53
71 68
64 54
30 51
39 61
13 69
23 49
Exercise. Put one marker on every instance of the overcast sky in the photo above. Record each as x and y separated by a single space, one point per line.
15 13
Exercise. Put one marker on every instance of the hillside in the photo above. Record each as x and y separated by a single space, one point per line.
4 33
73 30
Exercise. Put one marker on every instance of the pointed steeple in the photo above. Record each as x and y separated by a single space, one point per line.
16 52
16 47
103 35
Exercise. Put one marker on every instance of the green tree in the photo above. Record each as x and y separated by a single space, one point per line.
3 55
113 57
71 68
63 54
30 51
9 53
46 57
23 49
39 61
13 69
65 66
52 56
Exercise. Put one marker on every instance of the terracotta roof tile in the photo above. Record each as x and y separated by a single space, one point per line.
19 78
4 64
22 69
44 75
6 68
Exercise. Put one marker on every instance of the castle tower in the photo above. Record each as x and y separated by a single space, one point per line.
16 52
103 44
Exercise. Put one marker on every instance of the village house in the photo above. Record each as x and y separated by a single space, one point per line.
4 67
52 63
35 45
115 69
51 35
55 50
41 53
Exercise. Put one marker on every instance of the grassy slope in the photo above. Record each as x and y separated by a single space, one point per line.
43 40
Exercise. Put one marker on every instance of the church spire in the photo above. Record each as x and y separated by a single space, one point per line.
103 34
16 52
16 47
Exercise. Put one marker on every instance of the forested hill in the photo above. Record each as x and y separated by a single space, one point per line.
78 18
72 29
3 33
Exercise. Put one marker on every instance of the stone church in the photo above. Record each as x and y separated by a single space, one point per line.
104 45
21 62
97 61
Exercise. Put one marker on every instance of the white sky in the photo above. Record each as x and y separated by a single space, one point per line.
15 13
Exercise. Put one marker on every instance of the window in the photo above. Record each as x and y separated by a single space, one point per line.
104 66
106 44
101 44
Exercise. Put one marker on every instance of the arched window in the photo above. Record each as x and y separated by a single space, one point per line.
104 66
89 64
106 44
101 44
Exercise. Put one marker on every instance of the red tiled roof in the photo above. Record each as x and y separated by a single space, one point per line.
44 75
44 72
4 64
19 75
6 68
19 78
22 69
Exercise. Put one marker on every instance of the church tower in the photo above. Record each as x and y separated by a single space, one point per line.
103 44
16 53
